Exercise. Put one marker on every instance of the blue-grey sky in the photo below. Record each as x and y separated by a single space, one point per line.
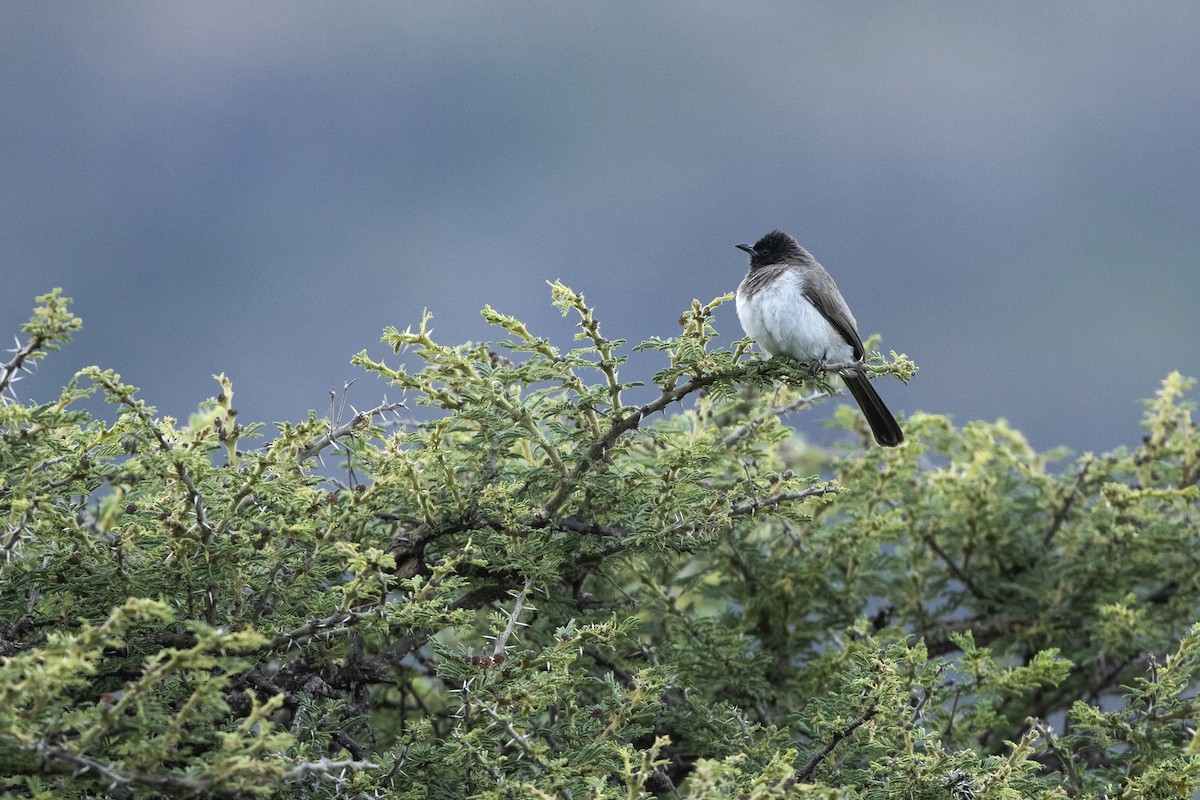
1007 192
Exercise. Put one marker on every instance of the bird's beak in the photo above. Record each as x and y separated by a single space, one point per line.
745 247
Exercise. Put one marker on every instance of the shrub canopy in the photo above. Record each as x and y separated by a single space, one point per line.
559 584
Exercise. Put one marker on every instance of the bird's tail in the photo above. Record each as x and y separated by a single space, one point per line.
883 424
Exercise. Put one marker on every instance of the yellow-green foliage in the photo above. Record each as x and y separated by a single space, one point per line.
557 583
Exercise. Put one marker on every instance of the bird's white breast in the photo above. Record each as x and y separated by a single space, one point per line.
782 320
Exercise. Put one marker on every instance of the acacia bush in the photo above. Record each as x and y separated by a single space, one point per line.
545 588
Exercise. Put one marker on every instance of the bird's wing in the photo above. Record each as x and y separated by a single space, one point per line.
823 293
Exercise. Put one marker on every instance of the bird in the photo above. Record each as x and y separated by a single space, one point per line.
789 305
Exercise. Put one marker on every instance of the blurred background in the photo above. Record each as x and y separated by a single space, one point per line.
1009 193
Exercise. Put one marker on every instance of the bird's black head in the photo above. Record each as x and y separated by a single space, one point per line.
774 248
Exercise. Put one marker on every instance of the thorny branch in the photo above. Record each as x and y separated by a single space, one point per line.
16 364
62 760
513 619
355 423
513 735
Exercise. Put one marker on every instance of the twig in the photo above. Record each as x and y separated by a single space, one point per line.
754 506
842 367
958 571
1068 761
623 425
316 627
1060 516
323 767
577 525
176 785
662 777
574 524
838 738
744 430
195 497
